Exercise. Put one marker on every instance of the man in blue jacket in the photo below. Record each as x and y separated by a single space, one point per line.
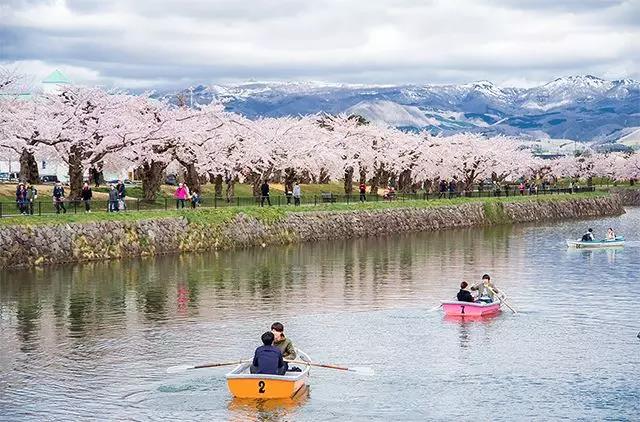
268 358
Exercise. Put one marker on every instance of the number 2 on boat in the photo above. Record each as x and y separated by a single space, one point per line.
261 387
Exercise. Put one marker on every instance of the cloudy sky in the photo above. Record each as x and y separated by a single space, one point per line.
170 43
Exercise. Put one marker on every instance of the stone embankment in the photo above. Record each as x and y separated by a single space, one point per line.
23 246
628 197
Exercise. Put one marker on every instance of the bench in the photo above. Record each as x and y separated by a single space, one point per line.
328 197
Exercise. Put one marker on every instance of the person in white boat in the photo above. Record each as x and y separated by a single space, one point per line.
611 235
588 236
486 290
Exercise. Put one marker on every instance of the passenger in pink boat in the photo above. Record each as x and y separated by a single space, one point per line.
464 295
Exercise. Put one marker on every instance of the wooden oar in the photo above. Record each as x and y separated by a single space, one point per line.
503 300
362 370
182 368
435 308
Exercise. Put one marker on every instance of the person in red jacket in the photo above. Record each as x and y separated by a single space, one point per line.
363 192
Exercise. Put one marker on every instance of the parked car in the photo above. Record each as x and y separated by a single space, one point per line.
171 179
49 179
9 177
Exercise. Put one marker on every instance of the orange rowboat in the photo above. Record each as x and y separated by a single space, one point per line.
245 385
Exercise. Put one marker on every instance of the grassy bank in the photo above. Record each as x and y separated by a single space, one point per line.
216 216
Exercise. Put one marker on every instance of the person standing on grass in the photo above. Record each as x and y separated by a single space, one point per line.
297 193
21 198
86 196
180 195
122 194
264 190
58 198
363 192
32 195
195 200
113 199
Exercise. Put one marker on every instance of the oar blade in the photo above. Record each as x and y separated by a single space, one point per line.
179 368
362 370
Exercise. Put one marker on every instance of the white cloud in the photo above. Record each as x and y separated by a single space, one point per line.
146 43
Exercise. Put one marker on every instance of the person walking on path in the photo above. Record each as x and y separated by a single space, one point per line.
32 195
180 195
452 188
363 192
264 190
113 199
58 198
86 196
296 194
443 188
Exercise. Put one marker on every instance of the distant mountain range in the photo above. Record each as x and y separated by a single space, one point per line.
583 108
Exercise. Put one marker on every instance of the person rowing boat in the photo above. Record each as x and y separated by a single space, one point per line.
588 236
486 290
284 344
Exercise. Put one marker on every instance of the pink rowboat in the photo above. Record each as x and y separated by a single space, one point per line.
457 308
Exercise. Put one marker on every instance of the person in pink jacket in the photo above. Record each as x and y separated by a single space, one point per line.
181 195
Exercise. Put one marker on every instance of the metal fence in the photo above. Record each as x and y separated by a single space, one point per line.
41 207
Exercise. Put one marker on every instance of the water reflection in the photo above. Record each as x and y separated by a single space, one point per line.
268 410
465 323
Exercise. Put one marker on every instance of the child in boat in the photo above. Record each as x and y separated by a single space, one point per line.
486 290
588 236
611 235
464 295
268 359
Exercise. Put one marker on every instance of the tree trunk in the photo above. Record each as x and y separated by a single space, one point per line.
256 181
363 175
289 179
390 179
323 179
348 181
231 188
152 179
375 181
98 177
76 172
218 185
404 181
192 178
305 178
28 168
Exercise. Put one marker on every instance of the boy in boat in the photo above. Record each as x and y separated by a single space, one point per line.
464 295
588 236
281 342
486 290
268 359
285 345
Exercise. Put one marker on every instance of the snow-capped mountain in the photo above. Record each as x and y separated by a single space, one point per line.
583 108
